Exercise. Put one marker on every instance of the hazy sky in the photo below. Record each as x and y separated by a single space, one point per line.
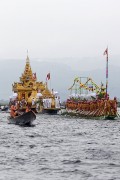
59 28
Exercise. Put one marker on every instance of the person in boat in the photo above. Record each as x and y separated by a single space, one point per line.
33 102
27 109
23 102
107 106
114 105
13 111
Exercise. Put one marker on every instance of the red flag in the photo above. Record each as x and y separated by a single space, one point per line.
105 52
48 76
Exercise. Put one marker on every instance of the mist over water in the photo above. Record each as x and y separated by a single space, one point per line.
60 148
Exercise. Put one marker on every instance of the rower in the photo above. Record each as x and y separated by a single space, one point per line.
27 109
13 111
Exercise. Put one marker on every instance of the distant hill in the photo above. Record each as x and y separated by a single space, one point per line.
62 75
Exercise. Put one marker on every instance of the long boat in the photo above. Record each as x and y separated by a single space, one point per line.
25 119
90 101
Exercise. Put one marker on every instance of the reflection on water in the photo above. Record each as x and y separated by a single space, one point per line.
60 148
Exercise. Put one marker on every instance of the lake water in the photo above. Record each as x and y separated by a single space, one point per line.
60 148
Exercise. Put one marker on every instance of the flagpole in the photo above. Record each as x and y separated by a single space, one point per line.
48 78
106 53
107 73
50 82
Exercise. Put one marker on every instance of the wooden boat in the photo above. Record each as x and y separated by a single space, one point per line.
89 100
25 119
93 103
4 108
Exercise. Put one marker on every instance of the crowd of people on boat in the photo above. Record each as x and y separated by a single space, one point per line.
16 106
14 110
47 103
97 107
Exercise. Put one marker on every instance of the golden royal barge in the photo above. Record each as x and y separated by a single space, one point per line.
33 94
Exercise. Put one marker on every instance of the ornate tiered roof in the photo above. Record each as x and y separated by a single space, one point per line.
28 87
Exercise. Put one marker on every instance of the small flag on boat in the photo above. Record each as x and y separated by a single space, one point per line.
106 52
48 76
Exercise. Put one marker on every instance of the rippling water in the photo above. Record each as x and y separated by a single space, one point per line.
60 148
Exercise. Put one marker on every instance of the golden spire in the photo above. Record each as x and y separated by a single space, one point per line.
27 59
